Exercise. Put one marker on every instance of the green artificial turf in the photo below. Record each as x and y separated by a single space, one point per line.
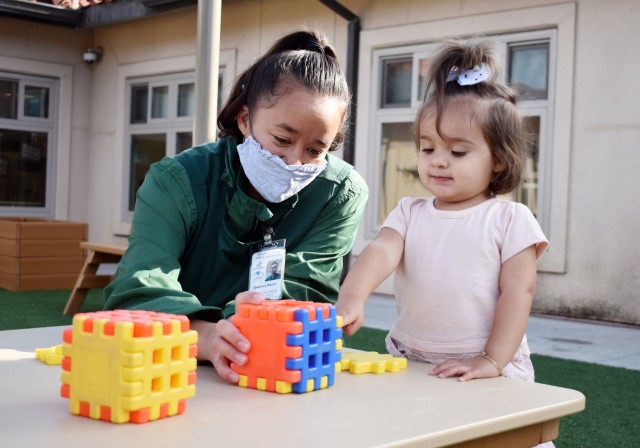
611 417
613 394
29 309
368 339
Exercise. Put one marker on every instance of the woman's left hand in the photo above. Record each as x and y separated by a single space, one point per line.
467 369
222 343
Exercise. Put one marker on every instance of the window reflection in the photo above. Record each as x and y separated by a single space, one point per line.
145 150
527 192
160 102
8 98
139 99
399 167
36 101
184 141
185 99
396 79
23 168
529 70
423 71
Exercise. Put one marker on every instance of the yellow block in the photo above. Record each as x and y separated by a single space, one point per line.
371 362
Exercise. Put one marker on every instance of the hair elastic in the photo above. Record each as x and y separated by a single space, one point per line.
315 47
470 77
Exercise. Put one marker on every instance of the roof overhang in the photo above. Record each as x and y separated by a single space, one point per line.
95 15
41 13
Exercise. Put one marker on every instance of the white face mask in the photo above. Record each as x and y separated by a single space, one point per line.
270 176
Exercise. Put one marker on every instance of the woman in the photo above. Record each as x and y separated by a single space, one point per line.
200 215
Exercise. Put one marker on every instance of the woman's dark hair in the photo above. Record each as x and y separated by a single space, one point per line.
303 57
495 107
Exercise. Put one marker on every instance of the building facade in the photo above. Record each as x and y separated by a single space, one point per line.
76 139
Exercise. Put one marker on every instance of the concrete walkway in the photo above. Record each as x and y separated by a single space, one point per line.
599 343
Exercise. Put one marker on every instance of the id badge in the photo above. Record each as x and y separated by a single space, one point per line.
267 269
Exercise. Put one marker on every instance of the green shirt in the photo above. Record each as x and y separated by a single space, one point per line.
193 225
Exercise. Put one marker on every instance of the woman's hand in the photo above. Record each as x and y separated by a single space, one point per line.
221 342
467 369
352 312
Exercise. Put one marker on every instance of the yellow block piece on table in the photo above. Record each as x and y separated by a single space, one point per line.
371 362
51 355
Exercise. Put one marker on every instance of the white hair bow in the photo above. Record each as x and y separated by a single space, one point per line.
471 76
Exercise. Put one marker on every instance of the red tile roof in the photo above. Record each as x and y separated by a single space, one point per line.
73 4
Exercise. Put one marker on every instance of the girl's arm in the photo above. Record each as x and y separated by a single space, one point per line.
376 262
517 289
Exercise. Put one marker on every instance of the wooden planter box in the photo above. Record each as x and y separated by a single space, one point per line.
40 254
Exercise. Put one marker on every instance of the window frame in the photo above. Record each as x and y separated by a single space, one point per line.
48 125
561 19
382 76
121 221
542 108
170 125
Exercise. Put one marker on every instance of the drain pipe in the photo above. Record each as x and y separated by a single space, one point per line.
353 51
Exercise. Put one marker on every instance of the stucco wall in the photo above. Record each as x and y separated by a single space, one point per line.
602 278
603 256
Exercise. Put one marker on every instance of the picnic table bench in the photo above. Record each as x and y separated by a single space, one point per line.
97 254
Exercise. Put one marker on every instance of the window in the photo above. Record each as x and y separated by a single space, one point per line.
27 144
401 81
399 169
158 112
528 69
547 103
160 123
396 82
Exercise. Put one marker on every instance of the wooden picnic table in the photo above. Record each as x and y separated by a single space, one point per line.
97 254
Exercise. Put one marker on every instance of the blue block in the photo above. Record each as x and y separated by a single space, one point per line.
318 342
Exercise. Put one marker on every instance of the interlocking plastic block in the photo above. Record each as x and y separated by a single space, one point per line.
295 346
51 355
371 362
128 365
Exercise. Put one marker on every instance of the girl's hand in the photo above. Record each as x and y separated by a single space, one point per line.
352 313
467 369
221 342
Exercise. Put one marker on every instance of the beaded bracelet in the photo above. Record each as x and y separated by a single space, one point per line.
486 356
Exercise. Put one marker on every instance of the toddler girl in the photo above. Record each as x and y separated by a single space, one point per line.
464 260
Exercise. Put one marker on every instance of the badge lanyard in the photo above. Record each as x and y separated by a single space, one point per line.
267 265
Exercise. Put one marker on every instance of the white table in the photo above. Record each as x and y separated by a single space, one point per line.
407 409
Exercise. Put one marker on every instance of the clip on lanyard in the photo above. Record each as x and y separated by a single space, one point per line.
268 235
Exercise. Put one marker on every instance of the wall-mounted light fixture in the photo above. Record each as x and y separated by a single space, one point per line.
92 55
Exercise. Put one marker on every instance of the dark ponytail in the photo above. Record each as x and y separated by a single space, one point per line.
302 57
